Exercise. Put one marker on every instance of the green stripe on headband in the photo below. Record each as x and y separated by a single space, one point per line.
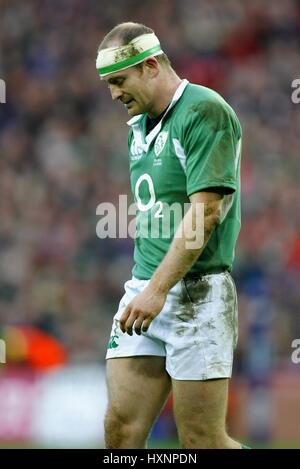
128 62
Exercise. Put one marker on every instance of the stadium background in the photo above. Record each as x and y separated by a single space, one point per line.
63 151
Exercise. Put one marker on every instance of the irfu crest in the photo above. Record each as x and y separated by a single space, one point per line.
160 142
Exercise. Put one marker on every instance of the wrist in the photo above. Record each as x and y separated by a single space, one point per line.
158 287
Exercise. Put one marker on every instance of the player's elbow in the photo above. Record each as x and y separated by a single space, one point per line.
210 223
215 218
213 214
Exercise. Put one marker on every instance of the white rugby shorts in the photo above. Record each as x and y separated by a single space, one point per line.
196 330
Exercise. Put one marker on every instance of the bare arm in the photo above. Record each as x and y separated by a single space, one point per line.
177 262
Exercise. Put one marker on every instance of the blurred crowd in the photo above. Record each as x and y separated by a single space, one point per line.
63 151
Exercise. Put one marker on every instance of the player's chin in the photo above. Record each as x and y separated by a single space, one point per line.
133 111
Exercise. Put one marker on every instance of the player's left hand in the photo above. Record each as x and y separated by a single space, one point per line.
141 311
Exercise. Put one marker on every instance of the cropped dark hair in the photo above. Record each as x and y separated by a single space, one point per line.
125 33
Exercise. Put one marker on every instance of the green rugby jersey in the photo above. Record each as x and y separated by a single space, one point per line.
195 146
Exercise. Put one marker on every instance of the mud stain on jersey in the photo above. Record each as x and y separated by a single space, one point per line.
215 116
217 120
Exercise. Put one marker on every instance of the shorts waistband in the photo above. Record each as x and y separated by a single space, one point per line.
194 276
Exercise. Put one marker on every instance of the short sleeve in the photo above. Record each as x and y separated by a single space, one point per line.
210 139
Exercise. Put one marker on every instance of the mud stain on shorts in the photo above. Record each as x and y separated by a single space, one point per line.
186 312
228 299
209 324
197 289
193 291
180 330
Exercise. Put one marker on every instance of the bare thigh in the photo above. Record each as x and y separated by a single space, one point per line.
200 411
137 390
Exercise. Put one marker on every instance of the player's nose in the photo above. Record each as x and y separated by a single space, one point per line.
116 93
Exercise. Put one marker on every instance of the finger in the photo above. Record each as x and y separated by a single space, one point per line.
138 325
124 317
146 324
129 323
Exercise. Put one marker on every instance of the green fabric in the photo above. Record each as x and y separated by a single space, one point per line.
193 148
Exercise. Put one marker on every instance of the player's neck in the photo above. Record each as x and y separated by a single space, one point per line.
166 90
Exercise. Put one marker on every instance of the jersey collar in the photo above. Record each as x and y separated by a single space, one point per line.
174 100
134 122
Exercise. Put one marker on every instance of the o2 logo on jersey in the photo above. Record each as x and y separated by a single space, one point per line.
147 179
136 150
152 200
160 142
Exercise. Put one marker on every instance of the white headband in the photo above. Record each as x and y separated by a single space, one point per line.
113 59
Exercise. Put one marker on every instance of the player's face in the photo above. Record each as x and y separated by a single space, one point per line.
133 88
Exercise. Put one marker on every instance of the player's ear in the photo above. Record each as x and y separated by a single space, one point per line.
151 66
